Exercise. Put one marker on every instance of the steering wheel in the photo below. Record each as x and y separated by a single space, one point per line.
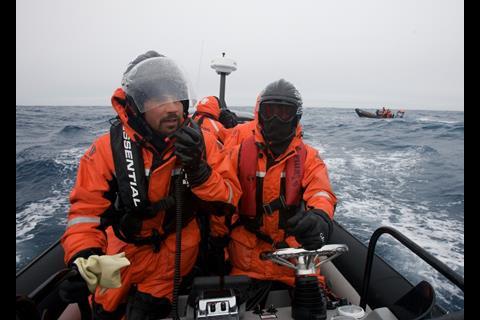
304 261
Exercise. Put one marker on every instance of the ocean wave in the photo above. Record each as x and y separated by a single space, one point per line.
438 233
433 126
35 171
29 153
457 129
33 214
428 119
416 149
69 158
38 179
72 130
406 173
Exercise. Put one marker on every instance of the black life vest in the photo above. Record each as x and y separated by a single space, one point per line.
251 206
131 205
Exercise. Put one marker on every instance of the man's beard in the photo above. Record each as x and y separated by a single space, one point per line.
159 137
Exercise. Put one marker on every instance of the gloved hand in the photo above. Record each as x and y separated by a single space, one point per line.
103 271
228 118
311 228
190 149
75 289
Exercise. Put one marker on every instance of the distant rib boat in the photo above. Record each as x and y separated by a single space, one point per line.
366 114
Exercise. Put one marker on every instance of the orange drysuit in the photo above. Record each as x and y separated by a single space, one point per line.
207 115
152 272
243 130
245 247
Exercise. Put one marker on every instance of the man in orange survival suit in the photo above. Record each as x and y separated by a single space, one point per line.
212 118
277 172
126 182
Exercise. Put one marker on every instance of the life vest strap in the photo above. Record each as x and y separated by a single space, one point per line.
132 194
261 235
163 204
155 239
201 117
276 204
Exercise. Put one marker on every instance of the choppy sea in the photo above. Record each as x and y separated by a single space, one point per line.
406 173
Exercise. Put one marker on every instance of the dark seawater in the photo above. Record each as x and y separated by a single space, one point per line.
405 173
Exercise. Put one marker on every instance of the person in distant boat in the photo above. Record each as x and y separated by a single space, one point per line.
214 119
287 198
388 113
125 195
400 113
381 113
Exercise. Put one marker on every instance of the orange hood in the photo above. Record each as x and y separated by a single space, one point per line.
118 103
209 105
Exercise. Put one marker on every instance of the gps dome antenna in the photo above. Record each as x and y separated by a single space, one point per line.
223 66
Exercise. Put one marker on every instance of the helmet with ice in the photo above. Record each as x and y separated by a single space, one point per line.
157 79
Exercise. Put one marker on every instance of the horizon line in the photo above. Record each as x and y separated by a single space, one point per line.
246 106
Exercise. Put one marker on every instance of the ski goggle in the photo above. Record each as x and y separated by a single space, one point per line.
285 112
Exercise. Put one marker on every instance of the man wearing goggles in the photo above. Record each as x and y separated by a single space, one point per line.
287 198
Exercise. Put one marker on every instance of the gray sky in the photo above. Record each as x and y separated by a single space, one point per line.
342 53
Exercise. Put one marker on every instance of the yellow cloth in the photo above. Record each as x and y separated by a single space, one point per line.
103 271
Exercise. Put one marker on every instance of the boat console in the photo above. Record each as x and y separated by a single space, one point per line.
361 294
221 297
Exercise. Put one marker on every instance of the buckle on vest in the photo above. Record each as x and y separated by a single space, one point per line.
276 204
267 208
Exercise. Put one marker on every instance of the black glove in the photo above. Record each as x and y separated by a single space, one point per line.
75 289
228 118
190 149
311 228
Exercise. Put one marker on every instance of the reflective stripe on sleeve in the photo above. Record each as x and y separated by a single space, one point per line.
322 194
83 220
230 192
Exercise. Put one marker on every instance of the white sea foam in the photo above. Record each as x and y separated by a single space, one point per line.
365 182
69 158
362 203
428 119
40 211
35 213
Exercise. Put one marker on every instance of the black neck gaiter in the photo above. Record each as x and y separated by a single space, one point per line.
278 134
